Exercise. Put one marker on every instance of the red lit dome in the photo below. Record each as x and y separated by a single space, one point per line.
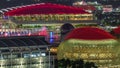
89 33
45 8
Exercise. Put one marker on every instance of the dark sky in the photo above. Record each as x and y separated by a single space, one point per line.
11 3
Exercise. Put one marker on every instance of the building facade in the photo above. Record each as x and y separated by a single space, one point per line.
25 52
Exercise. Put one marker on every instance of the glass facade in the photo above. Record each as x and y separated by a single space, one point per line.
11 61
25 52
52 18
28 59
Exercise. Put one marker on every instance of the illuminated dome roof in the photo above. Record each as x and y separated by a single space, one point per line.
45 8
89 33
88 43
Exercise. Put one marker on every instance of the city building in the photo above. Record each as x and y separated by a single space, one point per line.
25 52
87 7
52 16
91 44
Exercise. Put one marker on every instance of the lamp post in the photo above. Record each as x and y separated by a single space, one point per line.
49 57
11 57
1 59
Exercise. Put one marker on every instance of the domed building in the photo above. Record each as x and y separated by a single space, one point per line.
90 44
53 16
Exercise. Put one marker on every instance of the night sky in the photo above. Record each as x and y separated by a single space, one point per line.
11 3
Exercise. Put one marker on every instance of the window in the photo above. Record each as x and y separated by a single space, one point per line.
43 54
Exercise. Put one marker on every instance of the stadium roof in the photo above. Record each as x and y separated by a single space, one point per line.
45 8
89 33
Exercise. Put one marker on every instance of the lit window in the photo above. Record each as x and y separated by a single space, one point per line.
43 54
26 55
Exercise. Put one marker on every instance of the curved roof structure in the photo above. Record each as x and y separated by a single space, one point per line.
89 33
87 40
88 7
45 8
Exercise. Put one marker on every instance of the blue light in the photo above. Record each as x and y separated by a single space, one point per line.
51 35
51 40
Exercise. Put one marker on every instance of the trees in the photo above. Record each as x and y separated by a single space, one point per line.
108 18
90 65
66 63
